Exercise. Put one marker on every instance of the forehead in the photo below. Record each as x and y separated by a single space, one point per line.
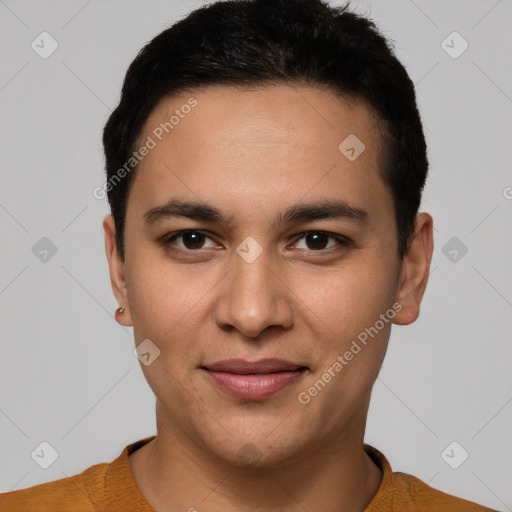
273 115
237 147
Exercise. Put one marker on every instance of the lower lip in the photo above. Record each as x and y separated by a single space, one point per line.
254 386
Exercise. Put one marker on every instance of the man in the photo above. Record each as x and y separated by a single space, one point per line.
265 168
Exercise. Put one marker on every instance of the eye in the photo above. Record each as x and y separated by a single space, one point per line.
318 240
192 240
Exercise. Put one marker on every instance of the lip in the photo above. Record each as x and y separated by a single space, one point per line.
254 380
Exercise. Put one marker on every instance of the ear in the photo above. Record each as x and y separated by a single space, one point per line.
117 271
415 270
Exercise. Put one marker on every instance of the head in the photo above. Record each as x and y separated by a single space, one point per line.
284 138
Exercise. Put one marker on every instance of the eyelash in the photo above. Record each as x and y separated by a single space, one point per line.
343 241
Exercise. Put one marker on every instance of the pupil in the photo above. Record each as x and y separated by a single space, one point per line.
192 238
315 237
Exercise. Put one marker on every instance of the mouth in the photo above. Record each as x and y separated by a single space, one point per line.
254 380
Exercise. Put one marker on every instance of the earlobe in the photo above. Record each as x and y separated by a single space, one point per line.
415 271
117 273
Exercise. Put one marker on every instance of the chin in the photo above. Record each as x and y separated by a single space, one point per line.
258 443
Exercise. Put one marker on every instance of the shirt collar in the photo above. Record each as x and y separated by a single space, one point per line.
119 485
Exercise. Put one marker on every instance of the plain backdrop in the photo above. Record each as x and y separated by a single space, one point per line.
67 372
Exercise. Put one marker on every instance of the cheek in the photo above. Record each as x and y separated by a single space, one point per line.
340 304
166 305
164 295
344 315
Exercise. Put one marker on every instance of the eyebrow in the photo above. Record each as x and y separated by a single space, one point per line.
337 209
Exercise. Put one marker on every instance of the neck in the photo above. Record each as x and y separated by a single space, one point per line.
175 474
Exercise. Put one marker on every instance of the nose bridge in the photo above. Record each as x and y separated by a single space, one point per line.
252 271
254 298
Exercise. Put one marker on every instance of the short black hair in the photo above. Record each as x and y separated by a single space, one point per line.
268 42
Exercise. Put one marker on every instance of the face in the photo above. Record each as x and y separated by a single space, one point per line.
289 253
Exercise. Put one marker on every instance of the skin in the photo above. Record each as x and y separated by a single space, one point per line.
251 154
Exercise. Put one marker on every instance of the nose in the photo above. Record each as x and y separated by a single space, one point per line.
254 297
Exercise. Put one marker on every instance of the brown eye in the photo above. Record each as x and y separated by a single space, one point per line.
318 240
191 240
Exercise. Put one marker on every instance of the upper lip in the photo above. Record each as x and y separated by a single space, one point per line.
243 367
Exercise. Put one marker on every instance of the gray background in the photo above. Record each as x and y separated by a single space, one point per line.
68 375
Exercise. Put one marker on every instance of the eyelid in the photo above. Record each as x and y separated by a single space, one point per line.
176 234
342 240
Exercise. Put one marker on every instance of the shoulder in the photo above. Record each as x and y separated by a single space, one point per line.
63 495
406 493
104 486
412 494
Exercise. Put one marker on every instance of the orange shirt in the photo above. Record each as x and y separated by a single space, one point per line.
111 488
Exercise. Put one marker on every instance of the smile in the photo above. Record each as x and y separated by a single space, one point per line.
254 380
